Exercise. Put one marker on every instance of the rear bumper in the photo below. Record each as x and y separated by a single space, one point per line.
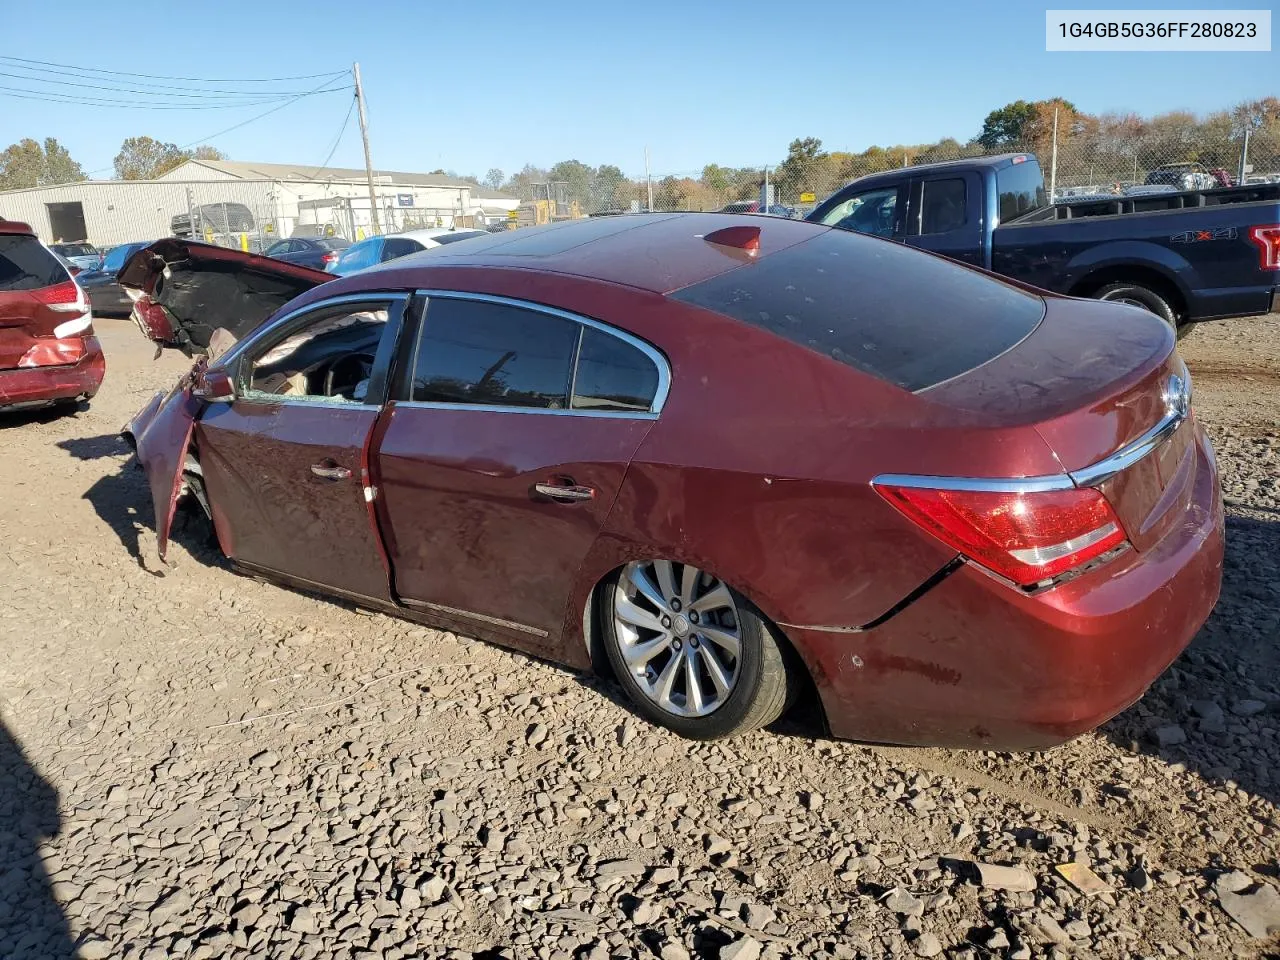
39 386
109 298
974 663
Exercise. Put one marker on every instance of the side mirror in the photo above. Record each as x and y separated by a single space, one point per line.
214 386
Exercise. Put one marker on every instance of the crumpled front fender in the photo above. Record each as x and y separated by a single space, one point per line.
160 433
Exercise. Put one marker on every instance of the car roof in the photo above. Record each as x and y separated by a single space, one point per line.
657 252
431 233
16 227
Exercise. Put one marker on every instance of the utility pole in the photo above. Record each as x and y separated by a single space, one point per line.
1244 158
368 164
1053 164
648 179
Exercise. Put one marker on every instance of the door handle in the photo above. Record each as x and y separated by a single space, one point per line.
566 494
328 470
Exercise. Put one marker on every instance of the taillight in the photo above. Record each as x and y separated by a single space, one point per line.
329 258
1025 537
1268 240
53 353
64 297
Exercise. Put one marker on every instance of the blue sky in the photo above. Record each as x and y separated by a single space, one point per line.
500 84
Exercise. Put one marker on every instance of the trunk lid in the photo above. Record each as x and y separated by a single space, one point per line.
184 290
1105 388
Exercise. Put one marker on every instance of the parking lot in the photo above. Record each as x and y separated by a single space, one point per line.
196 764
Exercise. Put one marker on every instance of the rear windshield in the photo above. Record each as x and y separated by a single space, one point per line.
26 265
912 319
74 249
1021 189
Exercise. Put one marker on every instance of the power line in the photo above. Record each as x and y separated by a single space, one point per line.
242 123
51 96
336 140
152 76
174 92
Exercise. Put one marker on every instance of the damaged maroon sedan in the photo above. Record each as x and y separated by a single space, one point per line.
731 461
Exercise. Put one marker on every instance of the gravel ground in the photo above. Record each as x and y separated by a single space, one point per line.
195 764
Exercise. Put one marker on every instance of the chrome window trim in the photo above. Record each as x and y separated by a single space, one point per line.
498 408
656 357
239 349
272 400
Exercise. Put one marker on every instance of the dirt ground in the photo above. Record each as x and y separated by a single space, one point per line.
195 764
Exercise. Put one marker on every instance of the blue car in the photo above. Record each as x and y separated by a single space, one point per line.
366 253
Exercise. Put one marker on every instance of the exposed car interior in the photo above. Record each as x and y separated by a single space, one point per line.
331 358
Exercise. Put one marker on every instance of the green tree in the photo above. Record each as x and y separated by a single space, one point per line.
804 167
142 158
1007 126
28 163
493 179
205 152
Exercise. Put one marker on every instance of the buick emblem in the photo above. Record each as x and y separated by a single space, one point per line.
1176 399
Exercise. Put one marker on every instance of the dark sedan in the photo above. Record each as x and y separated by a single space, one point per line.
733 460
315 252
105 295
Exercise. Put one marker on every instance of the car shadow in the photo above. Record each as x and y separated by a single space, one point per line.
32 924
16 419
1231 661
122 500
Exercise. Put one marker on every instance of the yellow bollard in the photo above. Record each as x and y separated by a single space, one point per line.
244 242
359 233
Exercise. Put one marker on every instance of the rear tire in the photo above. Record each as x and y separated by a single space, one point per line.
762 681
1135 294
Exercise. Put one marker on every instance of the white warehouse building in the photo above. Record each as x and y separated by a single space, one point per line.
251 204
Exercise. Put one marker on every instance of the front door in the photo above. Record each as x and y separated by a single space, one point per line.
284 463
499 460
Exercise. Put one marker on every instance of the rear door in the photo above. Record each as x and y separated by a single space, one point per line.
945 216
501 455
285 462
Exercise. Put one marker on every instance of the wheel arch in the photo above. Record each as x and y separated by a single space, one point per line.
1144 275
587 635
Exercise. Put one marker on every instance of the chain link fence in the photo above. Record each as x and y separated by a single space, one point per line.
1107 164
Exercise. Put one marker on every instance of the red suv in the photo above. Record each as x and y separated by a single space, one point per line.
48 353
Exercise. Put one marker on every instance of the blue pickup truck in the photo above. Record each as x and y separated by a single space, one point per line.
1186 256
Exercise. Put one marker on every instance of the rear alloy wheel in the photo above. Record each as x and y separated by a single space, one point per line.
1137 295
693 655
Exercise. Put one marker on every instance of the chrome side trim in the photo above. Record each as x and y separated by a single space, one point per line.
983 484
1089 476
234 354
1130 453
469 615
328 403
497 408
653 353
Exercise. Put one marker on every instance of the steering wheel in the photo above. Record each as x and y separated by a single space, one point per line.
346 372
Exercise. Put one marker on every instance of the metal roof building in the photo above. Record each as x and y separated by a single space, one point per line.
258 202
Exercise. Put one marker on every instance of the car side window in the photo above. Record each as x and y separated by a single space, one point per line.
328 358
942 205
873 211
279 247
612 375
396 247
479 352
